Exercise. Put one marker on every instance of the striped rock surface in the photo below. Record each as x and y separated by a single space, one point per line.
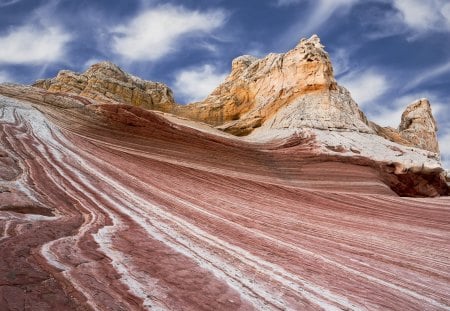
110 207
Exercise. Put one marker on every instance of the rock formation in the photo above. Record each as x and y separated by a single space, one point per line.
290 91
419 127
106 82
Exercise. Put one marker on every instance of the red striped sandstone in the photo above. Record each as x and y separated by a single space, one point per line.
158 215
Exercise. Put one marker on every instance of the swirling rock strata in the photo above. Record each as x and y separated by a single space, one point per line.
102 214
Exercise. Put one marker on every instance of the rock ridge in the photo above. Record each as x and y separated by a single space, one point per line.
106 82
265 98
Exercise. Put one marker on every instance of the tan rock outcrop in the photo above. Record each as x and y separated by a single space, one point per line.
106 82
418 126
290 90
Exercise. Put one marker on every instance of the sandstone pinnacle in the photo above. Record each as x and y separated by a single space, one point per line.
419 126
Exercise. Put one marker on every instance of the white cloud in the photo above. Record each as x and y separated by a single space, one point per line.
386 116
365 86
340 60
33 44
157 32
323 10
196 84
423 16
446 13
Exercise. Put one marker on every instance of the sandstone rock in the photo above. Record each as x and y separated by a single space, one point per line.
419 127
291 90
106 82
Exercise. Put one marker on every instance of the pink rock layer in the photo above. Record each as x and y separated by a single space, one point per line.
119 209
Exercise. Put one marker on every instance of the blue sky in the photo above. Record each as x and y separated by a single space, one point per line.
387 52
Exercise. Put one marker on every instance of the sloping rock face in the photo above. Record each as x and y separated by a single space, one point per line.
106 82
113 207
108 204
292 90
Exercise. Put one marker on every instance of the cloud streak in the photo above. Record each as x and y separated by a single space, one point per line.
423 16
287 2
4 3
429 75
323 11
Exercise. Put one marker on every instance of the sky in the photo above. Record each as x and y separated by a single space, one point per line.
386 52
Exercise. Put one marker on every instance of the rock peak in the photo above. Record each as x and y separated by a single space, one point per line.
313 40
419 126
288 90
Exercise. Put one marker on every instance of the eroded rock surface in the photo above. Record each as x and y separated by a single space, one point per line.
291 90
106 82
109 200
419 127
160 215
